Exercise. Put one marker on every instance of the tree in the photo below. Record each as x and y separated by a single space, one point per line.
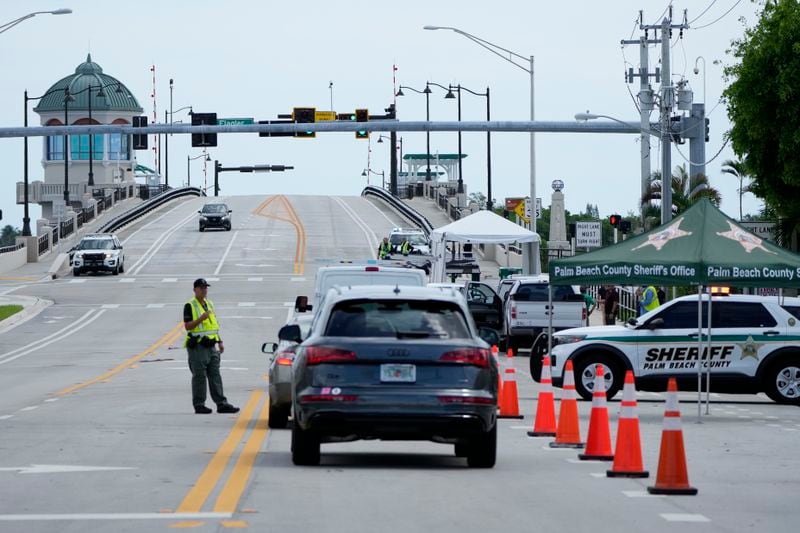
686 190
477 198
8 235
764 108
738 170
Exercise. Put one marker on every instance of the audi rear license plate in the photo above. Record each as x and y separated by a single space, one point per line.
398 373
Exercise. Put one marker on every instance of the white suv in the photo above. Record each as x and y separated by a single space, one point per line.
98 252
755 346
420 244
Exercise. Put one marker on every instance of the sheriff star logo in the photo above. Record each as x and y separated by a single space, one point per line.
658 240
750 348
748 241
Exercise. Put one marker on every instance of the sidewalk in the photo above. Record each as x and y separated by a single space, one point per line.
31 306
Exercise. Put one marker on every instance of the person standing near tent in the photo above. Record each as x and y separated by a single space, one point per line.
591 304
649 299
610 306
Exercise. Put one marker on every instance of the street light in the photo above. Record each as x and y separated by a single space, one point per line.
188 169
488 145
697 71
399 146
427 92
451 96
170 114
528 260
67 99
367 171
8 25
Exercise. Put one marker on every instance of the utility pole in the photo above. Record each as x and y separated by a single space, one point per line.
666 104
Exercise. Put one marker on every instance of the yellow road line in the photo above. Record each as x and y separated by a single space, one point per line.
294 220
194 501
12 278
228 499
168 338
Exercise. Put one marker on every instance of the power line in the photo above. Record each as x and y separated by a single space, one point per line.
704 11
720 18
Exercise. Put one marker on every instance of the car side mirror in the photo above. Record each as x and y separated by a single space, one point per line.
301 304
199 212
269 347
632 322
490 336
656 323
230 211
291 333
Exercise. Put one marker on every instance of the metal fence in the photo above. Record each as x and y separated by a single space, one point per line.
44 243
67 227
12 248
54 234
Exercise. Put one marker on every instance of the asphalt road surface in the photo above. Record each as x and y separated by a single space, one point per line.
97 430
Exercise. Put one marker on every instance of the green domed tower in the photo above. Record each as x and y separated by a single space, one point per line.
89 96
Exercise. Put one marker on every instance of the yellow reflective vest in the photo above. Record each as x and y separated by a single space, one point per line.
654 302
208 327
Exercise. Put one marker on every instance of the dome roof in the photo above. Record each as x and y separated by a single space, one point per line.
89 74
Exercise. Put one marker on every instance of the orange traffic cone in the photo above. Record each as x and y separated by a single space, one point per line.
628 453
672 477
545 424
495 352
568 434
598 440
509 408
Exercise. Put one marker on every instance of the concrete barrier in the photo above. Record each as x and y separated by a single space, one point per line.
13 260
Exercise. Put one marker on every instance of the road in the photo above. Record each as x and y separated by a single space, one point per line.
96 392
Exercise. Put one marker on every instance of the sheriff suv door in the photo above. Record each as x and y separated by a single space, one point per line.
745 333
667 344
484 304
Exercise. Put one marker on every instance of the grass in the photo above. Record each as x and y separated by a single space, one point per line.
8 310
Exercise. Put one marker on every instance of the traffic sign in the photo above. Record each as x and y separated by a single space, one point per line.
234 121
324 116
588 235
538 208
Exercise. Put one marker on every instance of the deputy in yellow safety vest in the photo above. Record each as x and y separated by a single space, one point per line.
406 247
204 346
649 300
385 249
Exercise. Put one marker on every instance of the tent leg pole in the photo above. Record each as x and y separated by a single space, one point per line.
549 319
708 368
699 350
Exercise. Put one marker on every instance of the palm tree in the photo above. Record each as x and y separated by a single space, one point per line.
686 190
738 170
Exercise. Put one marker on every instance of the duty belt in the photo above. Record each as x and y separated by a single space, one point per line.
206 333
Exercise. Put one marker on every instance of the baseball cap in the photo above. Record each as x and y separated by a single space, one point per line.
201 282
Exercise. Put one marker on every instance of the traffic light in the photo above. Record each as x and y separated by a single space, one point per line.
625 226
706 130
614 220
304 115
139 139
362 115
201 140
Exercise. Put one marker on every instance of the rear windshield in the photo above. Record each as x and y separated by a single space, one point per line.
538 292
215 208
398 319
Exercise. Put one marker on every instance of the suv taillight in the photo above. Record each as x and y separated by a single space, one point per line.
467 356
513 311
317 355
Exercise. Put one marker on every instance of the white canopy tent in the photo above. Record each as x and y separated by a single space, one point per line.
480 227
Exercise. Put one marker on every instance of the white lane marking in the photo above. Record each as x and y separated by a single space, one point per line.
169 280
261 249
745 417
110 516
581 462
288 304
681 517
212 279
789 429
50 321
109 306
246 304
156 246
255 279
49 400
151 223
519 427
6 417
61 469
547 448
775 425
257 266
29 408
772 417
265 235
297 279
77 325
372 241
598 474
227 251
127 280
393 223
640 494
77 281
154 306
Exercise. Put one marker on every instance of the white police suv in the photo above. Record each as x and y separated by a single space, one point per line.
755 347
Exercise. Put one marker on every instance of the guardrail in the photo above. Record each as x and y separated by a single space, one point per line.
400 207
146 207
12 248
44 243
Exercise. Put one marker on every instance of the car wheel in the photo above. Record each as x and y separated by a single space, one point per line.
76 272
584 375
305 447
202 228
482 451
278 417
115 271
122 267
227 228
781 381
461 449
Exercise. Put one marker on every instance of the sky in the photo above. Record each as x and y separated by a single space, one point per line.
248 58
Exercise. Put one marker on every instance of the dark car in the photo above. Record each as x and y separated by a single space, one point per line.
395 363
215 216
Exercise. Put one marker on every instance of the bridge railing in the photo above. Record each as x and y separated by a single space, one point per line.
404 209
146 207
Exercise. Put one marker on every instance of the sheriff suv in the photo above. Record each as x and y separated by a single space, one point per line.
755 347
98 252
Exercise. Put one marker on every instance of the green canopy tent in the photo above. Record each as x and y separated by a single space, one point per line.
700 247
